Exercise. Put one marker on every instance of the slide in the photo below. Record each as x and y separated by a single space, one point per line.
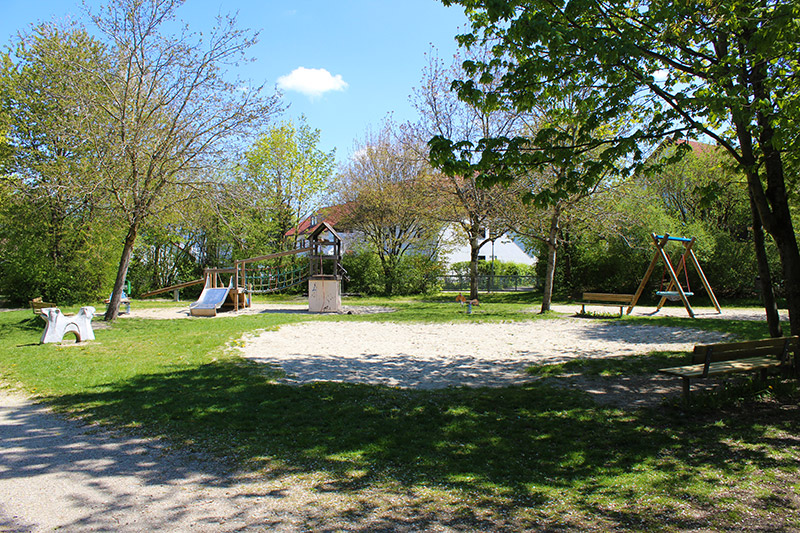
210 300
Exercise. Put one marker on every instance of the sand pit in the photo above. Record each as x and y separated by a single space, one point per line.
430 356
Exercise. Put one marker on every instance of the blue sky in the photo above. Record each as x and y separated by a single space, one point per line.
345 64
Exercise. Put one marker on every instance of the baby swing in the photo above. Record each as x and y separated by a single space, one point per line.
669 293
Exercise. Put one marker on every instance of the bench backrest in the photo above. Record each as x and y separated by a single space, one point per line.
779 347
37 305
607 297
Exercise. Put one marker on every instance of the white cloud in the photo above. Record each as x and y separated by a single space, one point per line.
313 82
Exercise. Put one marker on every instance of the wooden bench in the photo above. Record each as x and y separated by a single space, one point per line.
748 356
605 299
37 305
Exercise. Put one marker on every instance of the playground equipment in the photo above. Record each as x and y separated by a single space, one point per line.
674 290
123 300
174 288
253 275
59 324
324 289
214 295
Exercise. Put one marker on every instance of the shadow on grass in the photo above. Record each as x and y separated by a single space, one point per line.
531 447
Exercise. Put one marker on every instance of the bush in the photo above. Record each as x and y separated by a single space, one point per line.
413 275
363 272
501 268
67 265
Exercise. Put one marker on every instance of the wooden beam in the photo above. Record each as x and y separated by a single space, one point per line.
638 293
172 287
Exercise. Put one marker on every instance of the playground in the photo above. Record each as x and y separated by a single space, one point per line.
337 420
391 414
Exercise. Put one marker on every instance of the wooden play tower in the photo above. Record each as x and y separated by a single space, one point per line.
325 264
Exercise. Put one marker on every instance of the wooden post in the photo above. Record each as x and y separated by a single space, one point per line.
706 284
236 287
649 272
674 278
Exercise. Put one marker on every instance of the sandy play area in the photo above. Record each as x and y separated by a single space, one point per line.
440 355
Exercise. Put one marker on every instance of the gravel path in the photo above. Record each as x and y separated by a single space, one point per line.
59 474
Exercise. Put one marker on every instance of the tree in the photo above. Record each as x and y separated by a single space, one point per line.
382 192
54 231
473 208
284 175
541 214
167 110
722 69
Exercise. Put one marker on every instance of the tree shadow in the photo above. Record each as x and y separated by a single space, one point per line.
521 447
110 476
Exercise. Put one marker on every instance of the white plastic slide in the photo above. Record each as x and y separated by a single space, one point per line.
210 300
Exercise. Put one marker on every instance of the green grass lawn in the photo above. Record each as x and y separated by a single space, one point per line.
528 456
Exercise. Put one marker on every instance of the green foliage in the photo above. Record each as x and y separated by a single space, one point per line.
498 268
697 196
164 256
415 274
55 240
364 272
283 175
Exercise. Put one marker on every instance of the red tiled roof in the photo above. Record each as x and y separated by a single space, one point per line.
698 147
333 215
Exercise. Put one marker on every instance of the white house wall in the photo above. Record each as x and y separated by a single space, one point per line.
505 249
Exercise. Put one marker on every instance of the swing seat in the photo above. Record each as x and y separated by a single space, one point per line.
673 296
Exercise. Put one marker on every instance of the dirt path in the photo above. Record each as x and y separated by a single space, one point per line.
58 474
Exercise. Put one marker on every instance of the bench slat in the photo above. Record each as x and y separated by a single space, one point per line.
607 297
723 367
739 350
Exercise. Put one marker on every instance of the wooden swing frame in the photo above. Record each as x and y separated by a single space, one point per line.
660 242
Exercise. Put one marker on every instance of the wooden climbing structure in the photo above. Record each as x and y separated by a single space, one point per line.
321 267
674 290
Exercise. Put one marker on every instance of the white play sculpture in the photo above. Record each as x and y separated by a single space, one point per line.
59 325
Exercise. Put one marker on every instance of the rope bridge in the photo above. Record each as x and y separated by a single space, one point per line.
267 279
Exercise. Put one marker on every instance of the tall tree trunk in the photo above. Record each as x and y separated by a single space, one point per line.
552 249
765 278
474 250
773 203
113 306
773 209
388 275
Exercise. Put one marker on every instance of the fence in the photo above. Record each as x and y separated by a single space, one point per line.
489 283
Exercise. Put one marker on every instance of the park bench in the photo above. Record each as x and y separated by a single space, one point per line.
605 299
748 356
37 305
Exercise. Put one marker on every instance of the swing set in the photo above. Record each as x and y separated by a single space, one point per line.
673 290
